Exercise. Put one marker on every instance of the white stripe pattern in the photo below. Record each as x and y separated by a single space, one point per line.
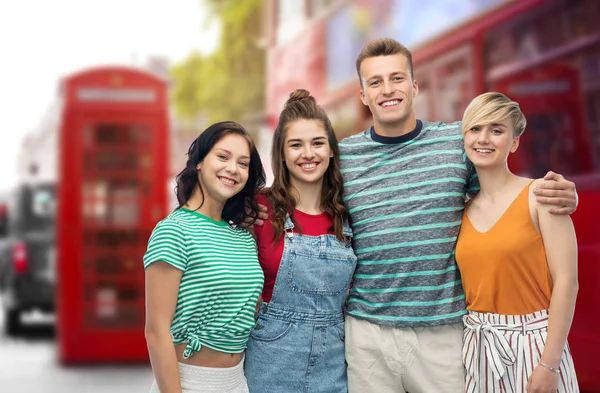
501 351
221 280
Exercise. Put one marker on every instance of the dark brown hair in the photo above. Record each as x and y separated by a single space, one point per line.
301 105
242 205
383 47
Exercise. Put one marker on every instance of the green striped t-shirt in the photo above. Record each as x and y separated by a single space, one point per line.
405 196
221 281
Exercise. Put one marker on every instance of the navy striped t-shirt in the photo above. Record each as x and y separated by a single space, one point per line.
406 196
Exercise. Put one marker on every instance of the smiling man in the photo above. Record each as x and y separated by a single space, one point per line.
406 182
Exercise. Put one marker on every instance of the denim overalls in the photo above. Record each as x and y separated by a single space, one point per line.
297 345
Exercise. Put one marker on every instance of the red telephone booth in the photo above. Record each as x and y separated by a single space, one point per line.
112 175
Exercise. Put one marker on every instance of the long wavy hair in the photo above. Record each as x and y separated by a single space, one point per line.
242 206
302 106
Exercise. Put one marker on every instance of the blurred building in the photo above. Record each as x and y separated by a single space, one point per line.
159 66
545 54
37 161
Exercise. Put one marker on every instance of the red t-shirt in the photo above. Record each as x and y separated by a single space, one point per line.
269 254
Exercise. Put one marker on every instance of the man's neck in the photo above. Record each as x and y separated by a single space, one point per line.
395 129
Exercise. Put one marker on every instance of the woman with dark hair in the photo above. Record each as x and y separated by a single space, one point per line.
304 249
203 278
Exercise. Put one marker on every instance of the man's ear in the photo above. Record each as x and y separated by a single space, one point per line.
363 97
415 88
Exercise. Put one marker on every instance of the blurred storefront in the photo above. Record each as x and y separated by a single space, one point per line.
543 53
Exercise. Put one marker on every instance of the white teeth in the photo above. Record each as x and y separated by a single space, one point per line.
227 181
483 150
309 166
390 103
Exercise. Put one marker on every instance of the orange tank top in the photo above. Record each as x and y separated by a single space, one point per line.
504 270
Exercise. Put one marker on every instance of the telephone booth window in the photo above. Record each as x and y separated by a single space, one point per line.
116 173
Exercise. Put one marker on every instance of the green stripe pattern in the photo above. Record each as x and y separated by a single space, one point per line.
221 280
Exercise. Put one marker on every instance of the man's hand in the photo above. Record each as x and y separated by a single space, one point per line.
262 216
557 191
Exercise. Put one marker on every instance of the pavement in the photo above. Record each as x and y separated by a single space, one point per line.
28 364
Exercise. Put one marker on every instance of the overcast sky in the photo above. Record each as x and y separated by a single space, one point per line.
42 40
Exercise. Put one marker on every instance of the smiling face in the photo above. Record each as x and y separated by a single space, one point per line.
306 151
224 171
388 90
489 145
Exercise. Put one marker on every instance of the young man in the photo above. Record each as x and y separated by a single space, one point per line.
406 182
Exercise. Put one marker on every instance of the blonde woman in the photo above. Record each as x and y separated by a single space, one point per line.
518 264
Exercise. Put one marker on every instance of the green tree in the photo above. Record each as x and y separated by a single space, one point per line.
228 84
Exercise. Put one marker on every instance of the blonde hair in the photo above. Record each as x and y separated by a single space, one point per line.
491 108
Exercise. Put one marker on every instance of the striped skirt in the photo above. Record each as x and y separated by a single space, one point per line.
501 351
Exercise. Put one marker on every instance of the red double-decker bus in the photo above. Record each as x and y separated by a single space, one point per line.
545 54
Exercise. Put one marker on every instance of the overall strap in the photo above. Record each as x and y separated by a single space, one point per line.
288 227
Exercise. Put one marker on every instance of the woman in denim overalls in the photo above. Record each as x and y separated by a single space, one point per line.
305 249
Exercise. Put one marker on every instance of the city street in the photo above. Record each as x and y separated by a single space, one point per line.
28 365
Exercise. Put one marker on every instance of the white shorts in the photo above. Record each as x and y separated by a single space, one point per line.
196 379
